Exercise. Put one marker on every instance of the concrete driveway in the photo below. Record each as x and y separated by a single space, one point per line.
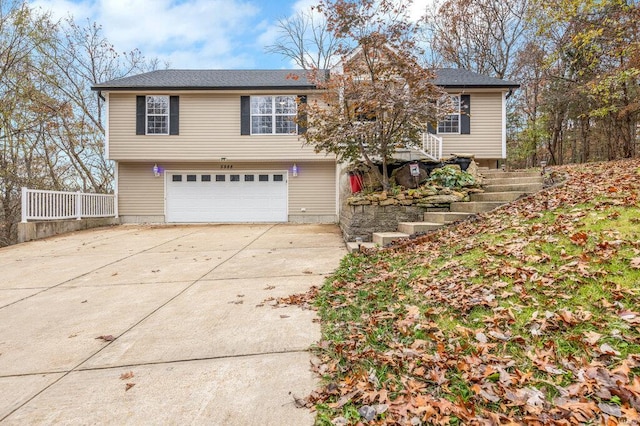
186 336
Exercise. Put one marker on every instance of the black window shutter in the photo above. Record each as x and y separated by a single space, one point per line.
302 117
465 114
174 115
430 128
245 115
141 114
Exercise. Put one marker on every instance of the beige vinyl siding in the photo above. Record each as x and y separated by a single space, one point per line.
209 130
485 140
314 189
140 193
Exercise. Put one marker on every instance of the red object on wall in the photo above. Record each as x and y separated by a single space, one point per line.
356 182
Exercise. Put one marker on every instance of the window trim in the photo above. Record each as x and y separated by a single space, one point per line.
458 114
273 115
147 114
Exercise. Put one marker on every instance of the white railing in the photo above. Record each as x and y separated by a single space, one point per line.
432 146
58 205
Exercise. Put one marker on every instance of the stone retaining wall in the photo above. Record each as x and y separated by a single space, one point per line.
362 221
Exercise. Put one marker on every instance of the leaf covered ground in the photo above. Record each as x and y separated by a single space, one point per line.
526 315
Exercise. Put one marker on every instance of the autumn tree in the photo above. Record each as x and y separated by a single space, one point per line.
380 99
600 50
478 35
579 75
80 57
23 109
51 123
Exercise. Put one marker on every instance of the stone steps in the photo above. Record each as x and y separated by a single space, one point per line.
475 206
514 187
445 218
513 180
411 228
500 174
353 247
505 197
384 238
500 188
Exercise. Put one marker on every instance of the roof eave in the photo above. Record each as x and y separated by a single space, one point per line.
188 88
479 86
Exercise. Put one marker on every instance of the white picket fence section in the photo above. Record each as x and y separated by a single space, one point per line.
57 205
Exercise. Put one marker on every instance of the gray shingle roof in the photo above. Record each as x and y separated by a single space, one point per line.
461 78
269 79
211 79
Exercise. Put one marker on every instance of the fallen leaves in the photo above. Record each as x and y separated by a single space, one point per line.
303 300
579 238
591 337
126 376
521 316
106 338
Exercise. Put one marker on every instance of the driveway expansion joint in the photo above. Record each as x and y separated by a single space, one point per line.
197 359
146 363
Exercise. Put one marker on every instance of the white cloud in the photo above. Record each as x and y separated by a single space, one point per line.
419 7
304 5
60 9
187 34
269 35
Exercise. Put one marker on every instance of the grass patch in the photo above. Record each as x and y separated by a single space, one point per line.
506 315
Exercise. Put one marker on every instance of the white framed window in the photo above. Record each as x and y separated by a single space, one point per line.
451 122
273 115
157 113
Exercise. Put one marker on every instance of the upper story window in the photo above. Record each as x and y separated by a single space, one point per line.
451 122
273 115
157 115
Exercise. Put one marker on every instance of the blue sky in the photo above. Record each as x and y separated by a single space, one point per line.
214 34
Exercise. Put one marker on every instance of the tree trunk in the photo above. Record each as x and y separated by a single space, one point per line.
584 137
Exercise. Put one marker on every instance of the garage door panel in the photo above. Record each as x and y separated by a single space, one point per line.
220 199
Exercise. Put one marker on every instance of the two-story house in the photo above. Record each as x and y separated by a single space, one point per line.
223 145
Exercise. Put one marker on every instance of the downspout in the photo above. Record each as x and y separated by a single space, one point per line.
504 123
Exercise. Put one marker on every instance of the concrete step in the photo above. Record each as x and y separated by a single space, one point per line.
353 247
475 206
384 238
500 174
445 217
505 197
517 187
512 180
415 227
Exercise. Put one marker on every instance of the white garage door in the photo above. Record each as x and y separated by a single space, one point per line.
226 197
